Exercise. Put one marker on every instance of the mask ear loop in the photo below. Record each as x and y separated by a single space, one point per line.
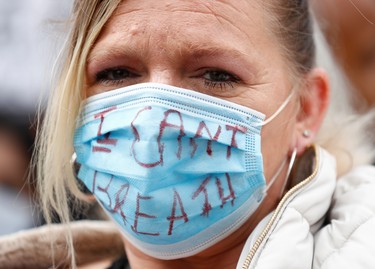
274 115
291 164
276 175
277 112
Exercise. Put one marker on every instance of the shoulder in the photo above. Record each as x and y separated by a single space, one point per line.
287 232
348 240
94 241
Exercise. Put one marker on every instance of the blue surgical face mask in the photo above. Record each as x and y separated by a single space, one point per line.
177 170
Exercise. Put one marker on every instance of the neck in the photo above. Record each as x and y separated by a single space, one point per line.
206 260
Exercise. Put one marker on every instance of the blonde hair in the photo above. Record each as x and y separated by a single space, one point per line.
56 180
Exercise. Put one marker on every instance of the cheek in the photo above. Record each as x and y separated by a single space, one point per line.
277 139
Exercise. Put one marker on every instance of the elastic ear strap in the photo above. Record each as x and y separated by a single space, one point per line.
292 159
291 163
275 176
278 111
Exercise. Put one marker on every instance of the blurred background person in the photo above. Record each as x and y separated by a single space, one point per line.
17 208
349 26
31 34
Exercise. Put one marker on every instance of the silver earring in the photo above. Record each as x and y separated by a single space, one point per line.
306 133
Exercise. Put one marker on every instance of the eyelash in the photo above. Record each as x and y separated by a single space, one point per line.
223 79
103 76
220 83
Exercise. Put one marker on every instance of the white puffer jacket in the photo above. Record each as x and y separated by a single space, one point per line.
321 222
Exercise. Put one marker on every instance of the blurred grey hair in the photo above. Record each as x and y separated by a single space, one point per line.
345 133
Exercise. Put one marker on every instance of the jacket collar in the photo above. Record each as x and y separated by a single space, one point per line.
284 238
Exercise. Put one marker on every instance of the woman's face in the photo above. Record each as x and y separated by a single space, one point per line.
221 48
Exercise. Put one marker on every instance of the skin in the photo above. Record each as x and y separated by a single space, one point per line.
351 33
222 48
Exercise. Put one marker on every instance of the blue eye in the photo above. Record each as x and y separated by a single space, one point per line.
219 79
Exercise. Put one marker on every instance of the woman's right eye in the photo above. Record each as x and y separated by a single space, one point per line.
114 76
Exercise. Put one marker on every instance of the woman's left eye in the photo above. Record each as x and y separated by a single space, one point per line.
219 79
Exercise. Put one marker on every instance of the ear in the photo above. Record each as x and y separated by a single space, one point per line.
314 100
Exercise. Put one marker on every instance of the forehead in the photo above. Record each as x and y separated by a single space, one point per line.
232 11
215 20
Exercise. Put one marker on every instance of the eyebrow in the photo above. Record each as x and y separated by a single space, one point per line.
207 50
201 51
108 52
195 51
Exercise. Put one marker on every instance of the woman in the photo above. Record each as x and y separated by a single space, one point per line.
192 114
18 210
